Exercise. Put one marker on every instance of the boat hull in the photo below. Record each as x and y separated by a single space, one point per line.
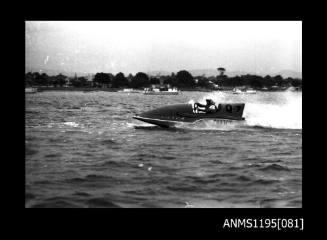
30 90
170 116
158 122
161 93
171 124
128 90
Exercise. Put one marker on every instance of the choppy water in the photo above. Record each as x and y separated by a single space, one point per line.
85 150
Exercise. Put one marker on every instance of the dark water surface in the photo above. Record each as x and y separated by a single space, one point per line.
85 150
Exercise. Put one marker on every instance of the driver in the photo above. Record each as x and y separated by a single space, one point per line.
209 107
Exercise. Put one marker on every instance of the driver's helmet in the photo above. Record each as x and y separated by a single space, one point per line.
209 101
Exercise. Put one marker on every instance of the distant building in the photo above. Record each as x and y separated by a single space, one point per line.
213 85
90 80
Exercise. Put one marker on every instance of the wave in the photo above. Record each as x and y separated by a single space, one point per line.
274 167
101 202
71 124
30 151
89 178
56 202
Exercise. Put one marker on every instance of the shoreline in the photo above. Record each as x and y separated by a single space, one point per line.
88 89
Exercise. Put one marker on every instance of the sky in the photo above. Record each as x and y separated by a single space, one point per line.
143 46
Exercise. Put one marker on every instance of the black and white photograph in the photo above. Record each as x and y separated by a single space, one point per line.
163 114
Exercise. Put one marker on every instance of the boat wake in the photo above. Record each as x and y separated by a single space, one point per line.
211 125
286 116
282 111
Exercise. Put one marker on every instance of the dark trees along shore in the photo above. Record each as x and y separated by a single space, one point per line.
182 79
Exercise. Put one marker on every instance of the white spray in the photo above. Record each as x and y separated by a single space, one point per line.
274 110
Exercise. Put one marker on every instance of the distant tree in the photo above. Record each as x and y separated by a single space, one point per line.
108 80
120 80
247 79
29 80
278 80
78 81
130 77
83 81
52 80
296 82
60 80
171 80
41 79
288 80
140 80
34 75
222 81
154 80
268 81
256 82
203 82
102 79
239 81
72 81
221 71
185 79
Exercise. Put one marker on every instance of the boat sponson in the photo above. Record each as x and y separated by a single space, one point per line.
158 122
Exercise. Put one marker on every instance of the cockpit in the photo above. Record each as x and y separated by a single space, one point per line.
209 107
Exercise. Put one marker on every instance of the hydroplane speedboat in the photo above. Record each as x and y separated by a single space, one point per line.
171 115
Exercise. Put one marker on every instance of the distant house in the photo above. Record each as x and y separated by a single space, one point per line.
275 87
89 82
67 84
213 85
